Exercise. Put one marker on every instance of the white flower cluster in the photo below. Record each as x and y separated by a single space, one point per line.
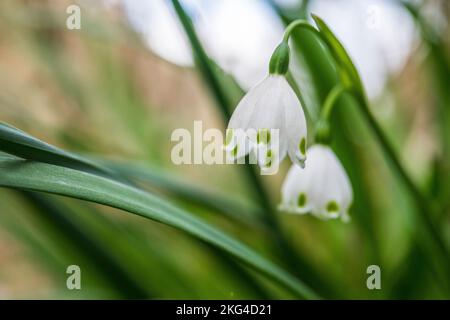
318 185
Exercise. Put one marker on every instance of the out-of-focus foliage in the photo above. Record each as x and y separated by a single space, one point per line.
100 93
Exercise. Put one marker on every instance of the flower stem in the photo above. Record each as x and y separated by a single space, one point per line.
424 206
331 100
294 260
322 134
298 23
279 62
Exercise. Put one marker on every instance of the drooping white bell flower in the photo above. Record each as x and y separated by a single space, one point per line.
269 121
270 105
322 188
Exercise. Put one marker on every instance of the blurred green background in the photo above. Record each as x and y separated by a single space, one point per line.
106 92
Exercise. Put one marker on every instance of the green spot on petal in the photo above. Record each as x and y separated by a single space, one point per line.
263 136
234 151
302 146
301 201
332 206
229 136
268 155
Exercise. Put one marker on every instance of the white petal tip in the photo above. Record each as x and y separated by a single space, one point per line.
287 208
297 159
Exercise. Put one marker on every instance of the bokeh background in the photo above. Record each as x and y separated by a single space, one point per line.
119 86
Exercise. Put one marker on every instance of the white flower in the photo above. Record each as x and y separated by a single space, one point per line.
271 104
322 188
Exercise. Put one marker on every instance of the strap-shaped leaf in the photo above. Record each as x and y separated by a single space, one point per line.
21 144
348 71
16 142
43 177
351 77
242 211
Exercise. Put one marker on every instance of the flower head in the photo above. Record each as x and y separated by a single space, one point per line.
321 188
270 105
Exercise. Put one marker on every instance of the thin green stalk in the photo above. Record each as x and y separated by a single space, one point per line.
424 206
350 77
294 262
298 23
425 209
331 100
422 203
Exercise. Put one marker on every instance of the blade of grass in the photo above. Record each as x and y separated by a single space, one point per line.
350 75
209 71
342 57
240 211
43 177
143 261
296 263
325 79
23 145
20 144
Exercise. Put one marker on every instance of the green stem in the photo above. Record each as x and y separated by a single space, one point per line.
322 134
422 203
424 206
299 23
299 266
350 75
279 62
331 100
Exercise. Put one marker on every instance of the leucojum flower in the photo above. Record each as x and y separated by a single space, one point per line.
322 188
269 121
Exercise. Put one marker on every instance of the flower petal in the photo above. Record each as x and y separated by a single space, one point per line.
295 124
244 112
296 197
